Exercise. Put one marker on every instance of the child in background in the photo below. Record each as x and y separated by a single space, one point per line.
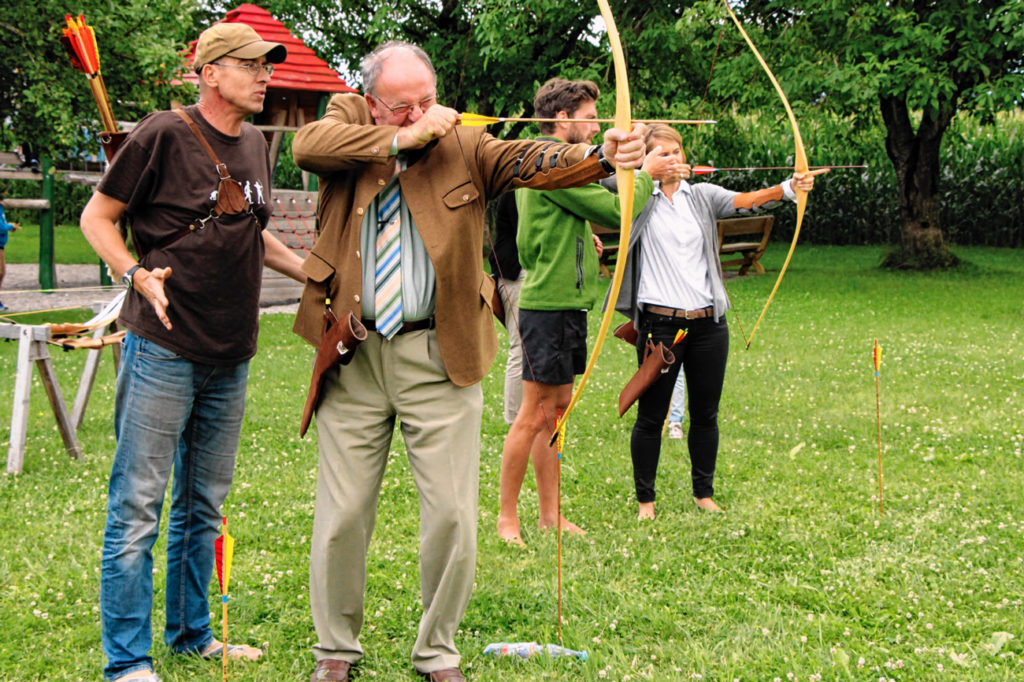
678 407
5 228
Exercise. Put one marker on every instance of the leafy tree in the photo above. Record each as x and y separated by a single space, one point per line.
491 55
49 105
917 63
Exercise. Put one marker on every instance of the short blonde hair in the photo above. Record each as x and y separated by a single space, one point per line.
663 132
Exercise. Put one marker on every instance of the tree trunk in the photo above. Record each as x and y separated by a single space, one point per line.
915 158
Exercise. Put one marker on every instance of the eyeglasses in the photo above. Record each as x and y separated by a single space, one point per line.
406 109
252 67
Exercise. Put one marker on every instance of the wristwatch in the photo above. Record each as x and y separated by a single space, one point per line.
127 277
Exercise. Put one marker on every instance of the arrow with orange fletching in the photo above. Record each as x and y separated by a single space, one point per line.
477 120
80 43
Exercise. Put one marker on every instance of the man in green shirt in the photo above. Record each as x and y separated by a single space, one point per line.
556 248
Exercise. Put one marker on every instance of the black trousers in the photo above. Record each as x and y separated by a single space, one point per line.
701 355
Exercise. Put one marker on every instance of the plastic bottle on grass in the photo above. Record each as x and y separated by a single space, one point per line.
527 649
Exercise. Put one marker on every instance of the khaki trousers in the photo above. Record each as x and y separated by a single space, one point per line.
403 378
510 289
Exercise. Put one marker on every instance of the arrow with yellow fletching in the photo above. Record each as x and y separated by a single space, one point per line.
477 120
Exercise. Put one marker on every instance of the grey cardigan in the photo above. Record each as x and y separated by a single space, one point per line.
709 203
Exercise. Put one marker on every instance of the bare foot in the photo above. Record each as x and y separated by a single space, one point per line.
646 511
137 675
707 504
235 651
508 530
567 526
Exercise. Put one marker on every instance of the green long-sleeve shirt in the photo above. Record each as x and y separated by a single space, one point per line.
556 246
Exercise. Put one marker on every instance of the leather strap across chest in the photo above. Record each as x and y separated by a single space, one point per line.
222 170
224 177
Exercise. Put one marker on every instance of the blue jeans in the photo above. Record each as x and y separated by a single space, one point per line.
169 413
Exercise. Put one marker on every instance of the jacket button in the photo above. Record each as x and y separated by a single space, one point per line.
358 255
465 197
356 297
375 150
381 182
360 211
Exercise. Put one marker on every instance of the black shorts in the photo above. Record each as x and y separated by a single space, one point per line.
554 345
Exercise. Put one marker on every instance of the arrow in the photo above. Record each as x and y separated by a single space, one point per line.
224 549
705 170
477 120
876 357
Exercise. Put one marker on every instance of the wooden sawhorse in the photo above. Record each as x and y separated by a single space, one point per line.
33 346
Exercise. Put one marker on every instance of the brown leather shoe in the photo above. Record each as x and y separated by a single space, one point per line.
333 669
445 675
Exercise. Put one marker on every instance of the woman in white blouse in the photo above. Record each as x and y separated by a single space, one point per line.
673 281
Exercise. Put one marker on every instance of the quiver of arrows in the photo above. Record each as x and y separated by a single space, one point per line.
79 41
657 360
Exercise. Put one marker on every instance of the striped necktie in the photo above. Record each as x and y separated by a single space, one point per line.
387 284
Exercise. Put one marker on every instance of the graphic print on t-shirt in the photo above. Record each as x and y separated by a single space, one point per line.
247 190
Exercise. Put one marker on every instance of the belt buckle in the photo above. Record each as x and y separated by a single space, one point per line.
690 314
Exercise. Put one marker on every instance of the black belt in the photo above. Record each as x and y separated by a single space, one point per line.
697 314
406 327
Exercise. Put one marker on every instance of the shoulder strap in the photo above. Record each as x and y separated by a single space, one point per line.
236 200
222 170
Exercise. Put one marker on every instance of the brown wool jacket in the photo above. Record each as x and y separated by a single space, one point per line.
446 187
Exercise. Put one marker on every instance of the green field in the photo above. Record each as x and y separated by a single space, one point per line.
801 579
69 246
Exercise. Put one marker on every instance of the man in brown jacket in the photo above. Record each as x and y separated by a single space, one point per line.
403 193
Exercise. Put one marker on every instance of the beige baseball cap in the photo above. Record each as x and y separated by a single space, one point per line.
234 39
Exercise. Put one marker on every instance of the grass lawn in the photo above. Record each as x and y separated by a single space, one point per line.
69 246
801 579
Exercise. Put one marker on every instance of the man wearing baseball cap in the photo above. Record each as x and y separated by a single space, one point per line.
237 40
181 383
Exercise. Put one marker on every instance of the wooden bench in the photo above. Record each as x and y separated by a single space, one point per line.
748 252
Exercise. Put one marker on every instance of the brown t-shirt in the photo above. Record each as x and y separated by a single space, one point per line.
167 180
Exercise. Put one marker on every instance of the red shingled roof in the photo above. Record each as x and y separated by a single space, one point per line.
302 70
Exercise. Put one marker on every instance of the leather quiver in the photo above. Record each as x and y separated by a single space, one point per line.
111 142
627 332
657 360
338 343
